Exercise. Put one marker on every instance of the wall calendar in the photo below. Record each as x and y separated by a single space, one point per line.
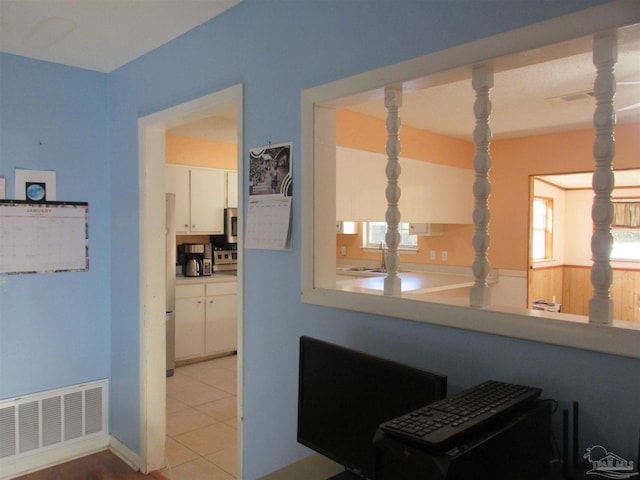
43 237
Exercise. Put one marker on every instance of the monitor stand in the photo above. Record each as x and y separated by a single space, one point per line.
346 475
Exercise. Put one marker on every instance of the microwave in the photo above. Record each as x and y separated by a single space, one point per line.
231 225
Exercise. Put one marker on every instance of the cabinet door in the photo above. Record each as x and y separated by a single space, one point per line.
221 323
190 313
176 179
232 189
208 198
361 182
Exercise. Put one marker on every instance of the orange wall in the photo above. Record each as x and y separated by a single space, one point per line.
197 152
359 131
513 161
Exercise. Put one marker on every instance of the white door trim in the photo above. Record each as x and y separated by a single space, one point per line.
151 138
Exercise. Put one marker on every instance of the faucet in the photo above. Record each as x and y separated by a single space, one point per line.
383 264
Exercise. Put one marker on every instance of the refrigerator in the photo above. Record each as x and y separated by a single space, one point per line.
170 272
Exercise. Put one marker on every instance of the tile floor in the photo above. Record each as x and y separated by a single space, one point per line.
202 421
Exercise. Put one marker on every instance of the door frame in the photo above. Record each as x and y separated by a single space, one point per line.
151 142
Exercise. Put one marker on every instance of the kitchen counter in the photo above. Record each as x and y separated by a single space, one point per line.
412 282
440 284
218 277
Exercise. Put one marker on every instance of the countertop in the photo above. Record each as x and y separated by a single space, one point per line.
217 277
413 282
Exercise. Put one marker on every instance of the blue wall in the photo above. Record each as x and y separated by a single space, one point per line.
277 49
54 327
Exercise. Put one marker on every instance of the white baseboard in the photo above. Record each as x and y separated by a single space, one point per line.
49 458
127 455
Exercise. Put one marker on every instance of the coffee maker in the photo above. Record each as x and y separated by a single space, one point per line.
197 259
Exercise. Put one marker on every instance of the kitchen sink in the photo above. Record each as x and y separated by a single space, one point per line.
365 271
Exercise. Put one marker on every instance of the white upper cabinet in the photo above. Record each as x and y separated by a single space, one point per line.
208 199
176 180
431 192
435 193
232 189
200 198
360 185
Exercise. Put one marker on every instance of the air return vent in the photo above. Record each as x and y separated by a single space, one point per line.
33 423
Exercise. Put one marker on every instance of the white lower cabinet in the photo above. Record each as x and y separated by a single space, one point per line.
206 319
221 318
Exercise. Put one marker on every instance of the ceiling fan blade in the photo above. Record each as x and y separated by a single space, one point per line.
628 83
630 107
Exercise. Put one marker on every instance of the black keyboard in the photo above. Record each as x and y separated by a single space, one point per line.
439 424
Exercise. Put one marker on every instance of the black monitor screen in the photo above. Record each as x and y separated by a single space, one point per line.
344 394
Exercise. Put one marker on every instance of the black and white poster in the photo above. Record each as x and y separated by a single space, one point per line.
270 195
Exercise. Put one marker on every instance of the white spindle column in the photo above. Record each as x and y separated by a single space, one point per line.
605 56
392 101
482 82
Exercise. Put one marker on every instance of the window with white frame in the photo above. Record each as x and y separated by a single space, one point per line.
319 175
374 235
542 229
626 230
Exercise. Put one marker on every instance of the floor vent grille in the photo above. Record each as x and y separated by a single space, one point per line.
33 423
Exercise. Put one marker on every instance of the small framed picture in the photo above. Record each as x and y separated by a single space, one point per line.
35 185
36 191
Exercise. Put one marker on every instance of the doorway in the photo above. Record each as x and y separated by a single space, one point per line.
152 130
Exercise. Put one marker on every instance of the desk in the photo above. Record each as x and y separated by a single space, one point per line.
314 467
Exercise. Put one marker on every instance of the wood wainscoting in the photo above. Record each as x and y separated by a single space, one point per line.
571 287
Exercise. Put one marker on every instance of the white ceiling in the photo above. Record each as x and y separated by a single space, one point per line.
99 35
103 35
528 96
576 181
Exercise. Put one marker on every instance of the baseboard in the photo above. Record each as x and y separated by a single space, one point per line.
49 458
125 454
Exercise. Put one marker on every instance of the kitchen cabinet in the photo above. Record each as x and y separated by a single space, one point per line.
206 319
360 185
176 180
221 313
232 189
436 194
190 313
431 193
200 198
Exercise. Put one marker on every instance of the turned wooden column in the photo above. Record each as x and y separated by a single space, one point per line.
605 56
392 101
482 82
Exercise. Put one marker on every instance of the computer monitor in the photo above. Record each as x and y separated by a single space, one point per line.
344 394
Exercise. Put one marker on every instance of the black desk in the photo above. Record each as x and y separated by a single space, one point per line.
514 447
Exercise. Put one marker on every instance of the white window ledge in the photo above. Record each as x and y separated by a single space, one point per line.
620 338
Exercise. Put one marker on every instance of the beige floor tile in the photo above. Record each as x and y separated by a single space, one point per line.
224 409
177 454
187 420
179 383
230 387
202 421
175 405
200 394
226 459
213 377
230 362
200 469
209 439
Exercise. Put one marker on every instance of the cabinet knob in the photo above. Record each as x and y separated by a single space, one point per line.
186 225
